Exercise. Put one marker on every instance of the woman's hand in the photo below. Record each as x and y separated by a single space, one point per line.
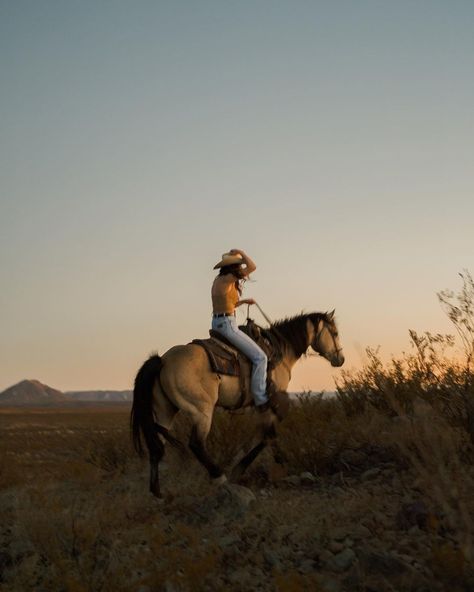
246 301
249 264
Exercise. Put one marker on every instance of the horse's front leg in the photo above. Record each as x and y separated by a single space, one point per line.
197 443
265 434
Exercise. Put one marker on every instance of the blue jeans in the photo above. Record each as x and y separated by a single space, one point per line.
228 327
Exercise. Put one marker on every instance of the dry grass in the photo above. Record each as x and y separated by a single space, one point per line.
77 515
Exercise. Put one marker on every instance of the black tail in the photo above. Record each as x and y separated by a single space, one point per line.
142 420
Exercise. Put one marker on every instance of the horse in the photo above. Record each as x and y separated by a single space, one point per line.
182 380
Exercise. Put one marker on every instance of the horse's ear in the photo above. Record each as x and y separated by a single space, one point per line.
331 314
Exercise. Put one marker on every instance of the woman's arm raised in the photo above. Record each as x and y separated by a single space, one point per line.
249 264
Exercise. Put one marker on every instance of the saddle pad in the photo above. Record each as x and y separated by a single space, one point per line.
223 360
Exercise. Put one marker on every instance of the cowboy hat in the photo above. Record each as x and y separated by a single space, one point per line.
228 259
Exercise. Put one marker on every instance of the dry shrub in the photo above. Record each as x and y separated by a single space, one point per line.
106 541
111 452
72 537
230 433
9 472
435 451
293 581
314 433
423 395
184 562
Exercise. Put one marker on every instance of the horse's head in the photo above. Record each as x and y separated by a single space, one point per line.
324 338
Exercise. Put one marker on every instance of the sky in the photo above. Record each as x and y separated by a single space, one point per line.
331 141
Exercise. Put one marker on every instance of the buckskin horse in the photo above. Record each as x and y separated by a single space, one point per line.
183 380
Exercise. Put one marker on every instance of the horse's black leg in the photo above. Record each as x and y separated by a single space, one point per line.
197 443
156 450
269 433
248 459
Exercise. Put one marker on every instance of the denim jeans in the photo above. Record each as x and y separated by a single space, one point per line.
230 330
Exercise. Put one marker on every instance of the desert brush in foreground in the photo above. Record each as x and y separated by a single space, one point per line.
366 498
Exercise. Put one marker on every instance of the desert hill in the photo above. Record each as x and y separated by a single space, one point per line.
32 392
36 394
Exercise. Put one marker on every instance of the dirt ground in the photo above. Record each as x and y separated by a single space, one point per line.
339 514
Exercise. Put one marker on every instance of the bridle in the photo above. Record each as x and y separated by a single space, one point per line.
318 335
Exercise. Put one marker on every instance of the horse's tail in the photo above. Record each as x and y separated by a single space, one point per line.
142 417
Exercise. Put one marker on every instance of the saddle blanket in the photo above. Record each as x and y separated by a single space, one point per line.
223 358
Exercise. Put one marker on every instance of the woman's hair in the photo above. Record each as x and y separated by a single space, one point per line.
235 270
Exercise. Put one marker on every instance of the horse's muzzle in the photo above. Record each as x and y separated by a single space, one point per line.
338 360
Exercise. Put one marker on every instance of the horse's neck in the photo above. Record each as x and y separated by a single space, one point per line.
282 371
289 358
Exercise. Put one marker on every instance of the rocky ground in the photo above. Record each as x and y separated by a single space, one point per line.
365 523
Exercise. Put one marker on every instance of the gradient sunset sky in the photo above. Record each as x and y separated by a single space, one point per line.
333 141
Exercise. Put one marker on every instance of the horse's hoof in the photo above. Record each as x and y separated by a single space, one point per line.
156 494
218 481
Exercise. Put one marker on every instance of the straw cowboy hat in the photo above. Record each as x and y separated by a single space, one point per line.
228 259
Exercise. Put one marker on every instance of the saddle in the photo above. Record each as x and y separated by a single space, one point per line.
226 359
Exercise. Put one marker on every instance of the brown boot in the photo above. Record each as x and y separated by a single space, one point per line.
262 408
278 403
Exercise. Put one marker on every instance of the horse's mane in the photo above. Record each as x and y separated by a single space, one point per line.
293 331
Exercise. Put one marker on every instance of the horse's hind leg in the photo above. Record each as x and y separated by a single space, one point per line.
164 411
197 443
156 450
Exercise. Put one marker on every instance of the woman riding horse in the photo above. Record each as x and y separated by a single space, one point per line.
183 380
234 268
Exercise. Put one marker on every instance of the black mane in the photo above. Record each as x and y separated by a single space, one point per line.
292 330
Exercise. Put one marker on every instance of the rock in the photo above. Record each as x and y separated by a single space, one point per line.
283 531
370 474
170 586
354 458
329 585
412 514
325 557
228 540
342 561
271 557
307 566
406 558
336 547
307 478
339 533
381 518
381 563
293 480
229 502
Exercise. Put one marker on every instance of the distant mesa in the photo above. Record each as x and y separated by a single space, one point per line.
103 396
36 394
